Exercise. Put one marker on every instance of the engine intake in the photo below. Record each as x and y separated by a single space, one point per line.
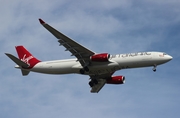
116 80
103 57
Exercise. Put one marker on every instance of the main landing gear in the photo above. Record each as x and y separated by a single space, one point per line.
154 69
93 82
85 69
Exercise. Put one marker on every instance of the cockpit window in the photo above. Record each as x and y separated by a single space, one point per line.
164 54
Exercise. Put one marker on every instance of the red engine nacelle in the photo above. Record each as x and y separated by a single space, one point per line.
103 57
116 80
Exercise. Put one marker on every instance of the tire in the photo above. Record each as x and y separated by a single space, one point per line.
91 84
81 71
95 81
86 69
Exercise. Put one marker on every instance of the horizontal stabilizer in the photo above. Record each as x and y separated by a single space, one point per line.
17 61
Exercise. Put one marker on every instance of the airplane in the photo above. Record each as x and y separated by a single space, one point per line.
99 66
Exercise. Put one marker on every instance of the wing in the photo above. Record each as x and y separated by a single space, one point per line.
80 52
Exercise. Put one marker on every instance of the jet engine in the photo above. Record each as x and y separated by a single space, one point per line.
116 80
103 57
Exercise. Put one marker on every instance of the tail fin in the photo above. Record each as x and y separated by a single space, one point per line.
26 56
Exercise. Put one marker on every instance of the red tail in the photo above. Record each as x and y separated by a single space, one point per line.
26 56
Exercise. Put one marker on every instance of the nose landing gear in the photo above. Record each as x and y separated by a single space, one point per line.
154 69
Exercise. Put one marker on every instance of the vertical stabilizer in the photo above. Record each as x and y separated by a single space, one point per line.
26 56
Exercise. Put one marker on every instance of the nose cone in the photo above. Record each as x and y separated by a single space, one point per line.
169 57
162 58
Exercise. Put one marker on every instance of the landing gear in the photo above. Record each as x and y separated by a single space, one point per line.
93 82
154 69
82 71
85 69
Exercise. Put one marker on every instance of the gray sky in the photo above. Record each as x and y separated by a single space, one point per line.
119 26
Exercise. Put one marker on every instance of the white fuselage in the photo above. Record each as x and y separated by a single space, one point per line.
116 62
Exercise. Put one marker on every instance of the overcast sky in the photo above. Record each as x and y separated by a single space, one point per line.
113 26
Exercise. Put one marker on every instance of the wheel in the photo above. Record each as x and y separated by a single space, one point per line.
86 69
95 81
154 69
81 71
91 84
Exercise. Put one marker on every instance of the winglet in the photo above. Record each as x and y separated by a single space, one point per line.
41 21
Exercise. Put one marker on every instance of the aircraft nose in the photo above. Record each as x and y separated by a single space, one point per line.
169 57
